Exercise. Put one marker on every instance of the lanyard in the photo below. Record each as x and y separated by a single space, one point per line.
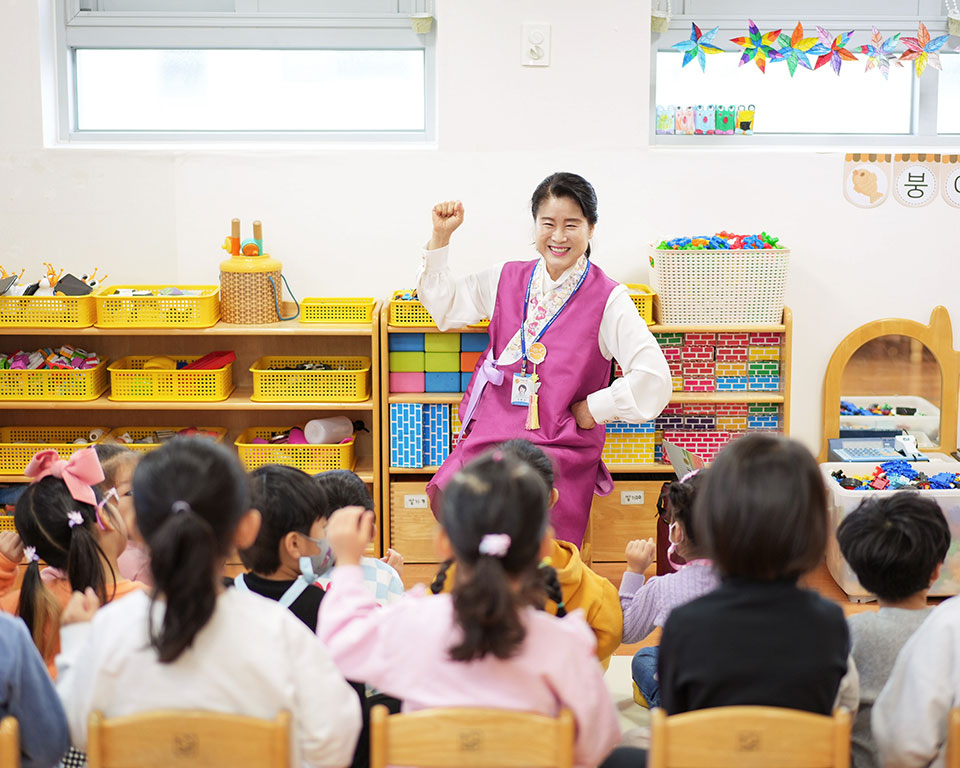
526 302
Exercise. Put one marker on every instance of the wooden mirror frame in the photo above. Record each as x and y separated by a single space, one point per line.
937 337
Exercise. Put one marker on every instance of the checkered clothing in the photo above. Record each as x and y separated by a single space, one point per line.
382 581
74 759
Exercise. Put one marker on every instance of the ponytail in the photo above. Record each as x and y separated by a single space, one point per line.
551 585
486 610
85 561
440 580
39 610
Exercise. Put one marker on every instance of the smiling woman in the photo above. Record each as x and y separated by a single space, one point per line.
556 322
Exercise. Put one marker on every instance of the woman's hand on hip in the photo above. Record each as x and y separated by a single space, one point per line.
447 216
581 412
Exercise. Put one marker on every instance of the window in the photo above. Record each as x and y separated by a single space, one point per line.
856 107
356 70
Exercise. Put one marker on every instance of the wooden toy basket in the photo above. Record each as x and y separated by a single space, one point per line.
310 458
164 311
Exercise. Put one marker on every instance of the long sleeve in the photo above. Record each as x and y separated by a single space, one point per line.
454 303
8 574
645 388
641 605
28 695
848 694
909 717
75 681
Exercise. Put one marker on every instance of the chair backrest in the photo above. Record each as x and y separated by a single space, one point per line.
471 737
750 737
9 742
953 739
187 738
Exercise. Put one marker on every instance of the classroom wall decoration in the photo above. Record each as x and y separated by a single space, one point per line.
866 179
794 49
950 170
921 50
880 53
697 46
915 179
834 49
758 48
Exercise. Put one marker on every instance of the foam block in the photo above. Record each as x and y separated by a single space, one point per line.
407 362
406 382
465 380
441 361
441 342
468 361
406 342
441 381
474 342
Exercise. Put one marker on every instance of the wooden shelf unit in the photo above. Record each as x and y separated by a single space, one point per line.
238 411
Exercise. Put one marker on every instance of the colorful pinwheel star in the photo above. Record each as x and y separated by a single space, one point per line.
757 47
881 52
921 50
698 45
794 49
834 49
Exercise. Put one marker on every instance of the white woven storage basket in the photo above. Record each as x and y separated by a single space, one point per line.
720 287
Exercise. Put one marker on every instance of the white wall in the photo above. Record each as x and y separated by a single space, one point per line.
350 221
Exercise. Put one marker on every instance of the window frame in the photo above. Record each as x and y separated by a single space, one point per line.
923 119
246 28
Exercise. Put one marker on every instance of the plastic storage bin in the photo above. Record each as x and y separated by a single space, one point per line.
720 287
140 432
924 423
54 384
158 311
841 502
19 444
642 296
351 384
412 312
48 311
310 458
337 310
128 381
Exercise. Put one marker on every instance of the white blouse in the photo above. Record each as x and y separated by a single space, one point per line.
646 385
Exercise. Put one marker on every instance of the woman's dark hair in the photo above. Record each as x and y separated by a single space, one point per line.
762 512
494 494
42 520
569 185
191 494
681 495
289 501
342 488
894 542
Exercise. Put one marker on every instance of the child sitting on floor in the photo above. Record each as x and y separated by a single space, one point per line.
119 463
896 544
486 644
647 605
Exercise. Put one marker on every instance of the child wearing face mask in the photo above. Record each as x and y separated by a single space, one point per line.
646 605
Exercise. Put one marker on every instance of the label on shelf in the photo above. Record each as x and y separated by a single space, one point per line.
631 498
416 501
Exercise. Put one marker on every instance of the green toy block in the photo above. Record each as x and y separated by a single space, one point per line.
441 342
669 339
764 368
764 408
407 362
438 362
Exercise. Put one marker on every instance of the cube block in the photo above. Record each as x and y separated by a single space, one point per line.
733 338
474 342
441 381
677 382
407 362
764 339
700 339
701 369
732 409
406 342
764 422
468 361
441 342
671 353
465 380
765 383
694 353
699 422
732 423
669 339
764 353
764 408
407 382
441 361
733 383
732 369
699 385
732 354
764 368
673 421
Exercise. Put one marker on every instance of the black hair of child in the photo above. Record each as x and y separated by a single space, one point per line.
191 495
342 488
571 186
762 512
681 496
494 494
894 541
289 501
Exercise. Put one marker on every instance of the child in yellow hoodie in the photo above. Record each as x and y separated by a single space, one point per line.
569 583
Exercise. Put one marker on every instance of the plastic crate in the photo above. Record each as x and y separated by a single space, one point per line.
310 458
48 311
140 432
642 296
352 384
158 311
924 424
128 381
337 310
54 384
6 523
412 313
735 287
20 444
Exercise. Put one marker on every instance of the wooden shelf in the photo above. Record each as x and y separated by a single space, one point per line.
426 397
660 328
727 397
413 470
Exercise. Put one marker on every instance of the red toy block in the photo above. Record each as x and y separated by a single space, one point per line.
699 409
733 339
672 409
676 367
699 385
733 409
700 339
670 353
469 360
693 352
211 361
732 354
698 370
763 339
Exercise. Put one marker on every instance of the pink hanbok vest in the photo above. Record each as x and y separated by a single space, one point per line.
573 369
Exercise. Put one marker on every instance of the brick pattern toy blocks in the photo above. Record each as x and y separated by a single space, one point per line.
671 354
406 435
765 408
691 353
699 385
732 354
699 369
733 338
726 370
732 417
676 382
763 353
764 383
669 339
700 339
436 433
704 443
455 426
766 339
769 423
733 383
629 449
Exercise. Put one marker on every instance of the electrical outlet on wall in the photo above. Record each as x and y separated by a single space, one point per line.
535 45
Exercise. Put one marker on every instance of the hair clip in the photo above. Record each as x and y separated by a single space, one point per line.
112 493
75 518
689 475
31 554
179 507
495 544
497 455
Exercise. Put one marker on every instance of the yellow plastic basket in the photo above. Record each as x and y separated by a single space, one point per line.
642 296
128 381
19 444
310 458
138 433
48 311
158 311
337 310
6 523
352 384
53 384
412 313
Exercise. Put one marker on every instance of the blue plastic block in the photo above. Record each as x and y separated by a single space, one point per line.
763 422
406 342
474 342
732 383
441 381
627 428
436 433
465 381
658 452
406 435
765 383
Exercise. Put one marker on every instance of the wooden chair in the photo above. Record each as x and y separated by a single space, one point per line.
953 739
9 743
750 737
470 738
187 739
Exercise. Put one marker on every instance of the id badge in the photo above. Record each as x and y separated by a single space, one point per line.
524 385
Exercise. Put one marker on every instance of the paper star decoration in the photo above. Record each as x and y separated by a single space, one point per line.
757 47
697 46
794 49
921 50
881 52
835 49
